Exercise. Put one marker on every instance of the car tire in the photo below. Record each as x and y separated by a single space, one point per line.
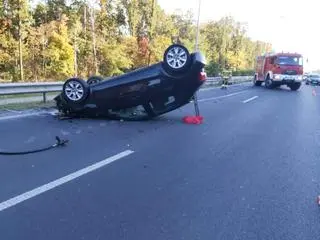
75 90
176 59
94 79
295 86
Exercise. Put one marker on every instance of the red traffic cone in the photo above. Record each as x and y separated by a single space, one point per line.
193 119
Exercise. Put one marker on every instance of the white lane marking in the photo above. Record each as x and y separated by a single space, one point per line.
18 116
223 96
250 99
23 115
44 188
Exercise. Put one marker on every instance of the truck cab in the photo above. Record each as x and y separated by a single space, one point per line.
279 69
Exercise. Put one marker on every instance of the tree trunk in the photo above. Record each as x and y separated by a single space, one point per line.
151 30
75 58
21 60
94 43
20 46
85 33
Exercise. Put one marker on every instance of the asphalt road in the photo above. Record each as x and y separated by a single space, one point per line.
250 171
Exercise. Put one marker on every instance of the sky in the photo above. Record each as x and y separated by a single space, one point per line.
288 25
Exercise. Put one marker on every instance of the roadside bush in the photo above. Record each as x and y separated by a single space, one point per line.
247 72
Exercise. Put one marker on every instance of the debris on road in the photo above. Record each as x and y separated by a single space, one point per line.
318 200
59 143
314 93
197 119
193 119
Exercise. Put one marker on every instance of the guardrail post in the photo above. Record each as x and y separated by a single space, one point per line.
44 97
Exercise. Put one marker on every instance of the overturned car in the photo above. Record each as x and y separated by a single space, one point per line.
141 94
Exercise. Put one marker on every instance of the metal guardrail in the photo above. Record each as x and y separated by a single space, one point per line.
50 87
216 81
30 88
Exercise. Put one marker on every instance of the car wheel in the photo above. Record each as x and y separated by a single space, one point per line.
94 80
295 86
176 58
75 90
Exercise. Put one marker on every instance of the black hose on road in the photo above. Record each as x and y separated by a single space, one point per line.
59 143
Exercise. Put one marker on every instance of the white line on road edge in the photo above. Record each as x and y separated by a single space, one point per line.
23 115
223 96
250 99
44 188
18 116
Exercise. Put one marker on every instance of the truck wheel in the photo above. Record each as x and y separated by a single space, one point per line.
269 83
176 58
75 90
295 86
255 82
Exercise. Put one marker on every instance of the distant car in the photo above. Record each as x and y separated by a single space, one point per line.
156 89
313 79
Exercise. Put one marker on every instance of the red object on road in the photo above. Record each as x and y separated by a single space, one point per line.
193 119
318 200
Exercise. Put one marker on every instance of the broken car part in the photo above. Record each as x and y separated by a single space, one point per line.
59 143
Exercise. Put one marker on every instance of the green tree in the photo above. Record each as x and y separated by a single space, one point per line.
17 13
56 40
59 52
56 9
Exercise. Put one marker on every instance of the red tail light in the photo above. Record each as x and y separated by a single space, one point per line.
202 76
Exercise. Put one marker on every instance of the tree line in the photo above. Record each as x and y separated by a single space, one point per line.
56 39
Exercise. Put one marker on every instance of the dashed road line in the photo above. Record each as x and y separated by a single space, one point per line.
250 99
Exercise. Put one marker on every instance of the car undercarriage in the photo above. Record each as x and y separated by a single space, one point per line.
141 94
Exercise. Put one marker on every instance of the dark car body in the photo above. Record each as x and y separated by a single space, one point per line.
313 79
158 88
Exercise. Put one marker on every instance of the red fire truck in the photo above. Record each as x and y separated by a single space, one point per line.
278 69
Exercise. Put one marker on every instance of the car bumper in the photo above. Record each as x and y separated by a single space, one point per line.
285 79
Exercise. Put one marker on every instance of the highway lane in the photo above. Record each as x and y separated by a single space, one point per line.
249 172
103 138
